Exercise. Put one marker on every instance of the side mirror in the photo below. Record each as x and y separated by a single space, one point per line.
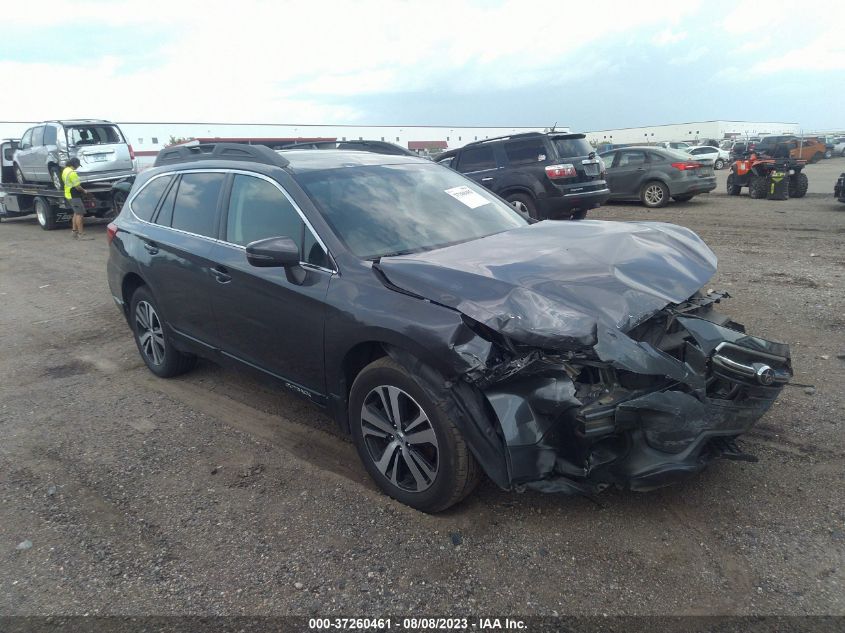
273 252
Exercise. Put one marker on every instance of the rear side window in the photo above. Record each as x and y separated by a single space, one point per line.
477 158
258 210
195 208
627 159
144 204
50 135
525 152
38 136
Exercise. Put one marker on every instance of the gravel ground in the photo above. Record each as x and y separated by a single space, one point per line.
121 493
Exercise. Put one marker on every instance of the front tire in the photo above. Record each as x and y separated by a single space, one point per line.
19 175
407 441
816 157
150 331
757 187
654 194
524 204
798 185
733 188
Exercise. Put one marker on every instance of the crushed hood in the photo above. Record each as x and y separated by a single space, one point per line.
552 283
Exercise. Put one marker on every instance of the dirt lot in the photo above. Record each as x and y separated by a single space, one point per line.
215 494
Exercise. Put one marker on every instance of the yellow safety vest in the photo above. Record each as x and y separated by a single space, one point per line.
71 180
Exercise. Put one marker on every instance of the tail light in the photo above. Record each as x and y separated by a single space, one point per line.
111 231
687 165
131 153
566 170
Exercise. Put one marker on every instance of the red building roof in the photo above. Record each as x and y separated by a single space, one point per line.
413 145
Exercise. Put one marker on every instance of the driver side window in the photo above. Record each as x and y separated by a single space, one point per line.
258 210
26 140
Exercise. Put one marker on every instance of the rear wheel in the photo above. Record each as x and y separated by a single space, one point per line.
118 200
733 188
150 332
45 214
56 178
654 194
816 157
579 215
523 203
757 187
19 175
407 441
719 164
798 184
828 153
685 198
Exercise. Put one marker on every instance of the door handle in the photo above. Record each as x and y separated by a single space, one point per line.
221 274
151 247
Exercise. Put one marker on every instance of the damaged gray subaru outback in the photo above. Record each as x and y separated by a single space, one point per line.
448 334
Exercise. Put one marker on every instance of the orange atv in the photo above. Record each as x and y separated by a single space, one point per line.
763 175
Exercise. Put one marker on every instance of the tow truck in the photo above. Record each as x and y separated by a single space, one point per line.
48 204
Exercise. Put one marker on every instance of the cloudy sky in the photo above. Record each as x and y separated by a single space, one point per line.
587 64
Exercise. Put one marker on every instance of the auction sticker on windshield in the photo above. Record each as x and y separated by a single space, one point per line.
467 196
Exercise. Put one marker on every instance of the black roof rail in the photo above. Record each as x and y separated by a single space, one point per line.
220 151
506 136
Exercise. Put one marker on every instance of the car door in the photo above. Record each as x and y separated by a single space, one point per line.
22 155
37 159
270 318
629 170
177 244
479 163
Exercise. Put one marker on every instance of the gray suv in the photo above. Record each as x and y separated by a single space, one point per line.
99 145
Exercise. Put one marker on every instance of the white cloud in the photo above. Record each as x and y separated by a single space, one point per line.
269 61
669 36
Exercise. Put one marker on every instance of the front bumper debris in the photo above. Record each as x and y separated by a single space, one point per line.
645 409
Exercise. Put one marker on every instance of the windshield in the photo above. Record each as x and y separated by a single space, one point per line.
93 135
568 146
384 210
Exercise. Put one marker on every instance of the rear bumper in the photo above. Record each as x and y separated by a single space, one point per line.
104 176
694 186
562 206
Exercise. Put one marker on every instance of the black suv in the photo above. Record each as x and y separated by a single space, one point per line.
447 333
551 176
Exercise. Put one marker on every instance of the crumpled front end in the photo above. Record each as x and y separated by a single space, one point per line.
639 409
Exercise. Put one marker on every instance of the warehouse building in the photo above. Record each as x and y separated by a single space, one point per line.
694 132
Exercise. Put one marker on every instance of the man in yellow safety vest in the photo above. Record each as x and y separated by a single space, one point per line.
73 194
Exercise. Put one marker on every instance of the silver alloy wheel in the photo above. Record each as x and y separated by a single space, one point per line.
719 164
400 438
19 175
40 212
57 179
150 334
654 194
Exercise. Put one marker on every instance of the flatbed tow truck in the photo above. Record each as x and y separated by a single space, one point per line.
48 204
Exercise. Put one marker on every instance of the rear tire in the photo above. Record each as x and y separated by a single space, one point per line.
654 194
579 215
19 175
56 178
757 187
816 157
719 164
733 189
150 333
430 474
685 198
798 185
828 153
523 203
45 214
